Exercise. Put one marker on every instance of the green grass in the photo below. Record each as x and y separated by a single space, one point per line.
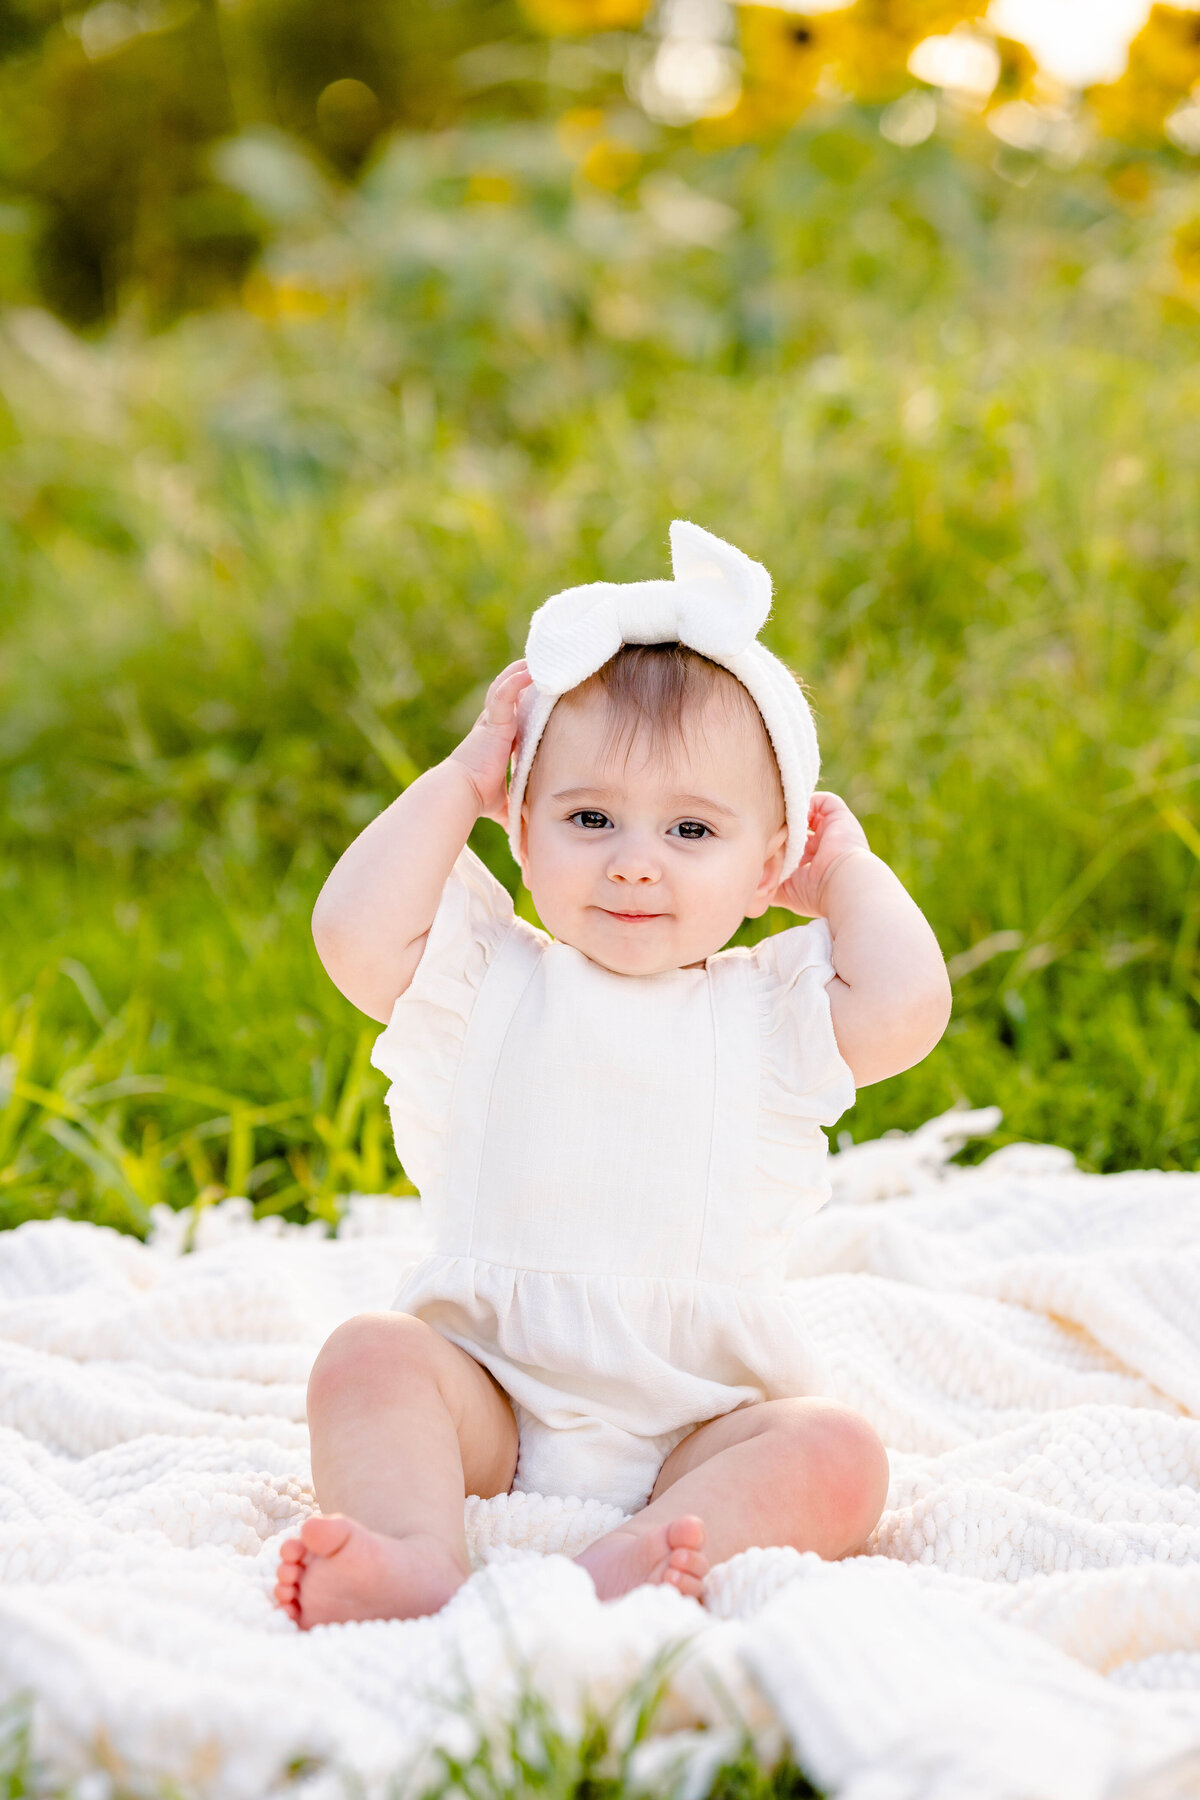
526 1754
258 570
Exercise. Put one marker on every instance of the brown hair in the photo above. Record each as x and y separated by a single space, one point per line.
653 687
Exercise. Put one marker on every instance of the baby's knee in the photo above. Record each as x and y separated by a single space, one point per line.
372 1348
849 1458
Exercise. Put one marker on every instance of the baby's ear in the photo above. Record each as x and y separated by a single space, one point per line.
768 881
523 839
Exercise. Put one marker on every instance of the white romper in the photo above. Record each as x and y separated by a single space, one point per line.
616 1170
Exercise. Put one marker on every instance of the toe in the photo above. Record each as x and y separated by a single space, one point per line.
690 1562
291 1550
686 1533
683 1582
326 1535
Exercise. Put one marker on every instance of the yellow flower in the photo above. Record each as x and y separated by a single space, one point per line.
864 47
1166 50
609 164
1132 183
753 116
1018 72
1164 66
879 36
917 19
785 54
1132 110
585 15
578 127
605 161
1185 251
284 297
491 187
873 65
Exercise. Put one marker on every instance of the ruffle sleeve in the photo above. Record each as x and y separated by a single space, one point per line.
421 1046
804 1085
804 1075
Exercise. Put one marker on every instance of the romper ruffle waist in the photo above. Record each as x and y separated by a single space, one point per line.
647 1353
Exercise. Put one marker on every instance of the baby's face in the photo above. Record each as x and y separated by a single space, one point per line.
651 864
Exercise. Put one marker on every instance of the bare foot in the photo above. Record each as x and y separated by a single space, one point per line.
337 1569
626 1559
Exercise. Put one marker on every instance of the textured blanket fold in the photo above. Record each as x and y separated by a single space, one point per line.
1026 1622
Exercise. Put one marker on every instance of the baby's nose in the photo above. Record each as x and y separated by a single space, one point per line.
633 860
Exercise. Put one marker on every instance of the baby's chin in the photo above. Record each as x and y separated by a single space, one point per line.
623 953
623 966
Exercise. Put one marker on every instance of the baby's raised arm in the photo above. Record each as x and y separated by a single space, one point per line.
890 998
373 914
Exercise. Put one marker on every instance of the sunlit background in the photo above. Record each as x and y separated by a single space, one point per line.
134 138
334 338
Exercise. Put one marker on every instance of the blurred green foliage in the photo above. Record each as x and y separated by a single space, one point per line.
110 113
135 134
259 568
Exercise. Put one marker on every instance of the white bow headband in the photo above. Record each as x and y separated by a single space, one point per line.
716 603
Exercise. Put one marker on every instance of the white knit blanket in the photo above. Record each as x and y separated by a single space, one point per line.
1026 1625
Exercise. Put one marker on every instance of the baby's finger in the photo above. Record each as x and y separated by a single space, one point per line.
509 680
514 685
823 803
513 673
500 705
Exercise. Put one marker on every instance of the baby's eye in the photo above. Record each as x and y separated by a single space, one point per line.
693 829
590 819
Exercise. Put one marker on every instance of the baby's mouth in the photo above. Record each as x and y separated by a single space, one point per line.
631 917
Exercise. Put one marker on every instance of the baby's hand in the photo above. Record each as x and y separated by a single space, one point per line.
833 834
485 751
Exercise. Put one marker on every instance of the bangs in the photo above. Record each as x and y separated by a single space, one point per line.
651 690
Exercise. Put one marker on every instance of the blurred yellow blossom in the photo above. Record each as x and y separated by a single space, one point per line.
1185 252
609 164
884 33
752 116
876 46
585 15
284 297
605 160
785 54
1018 72
491 187
1132 183
917 19
578 127
863 47
879 36
1163 68
1167 48
1133 109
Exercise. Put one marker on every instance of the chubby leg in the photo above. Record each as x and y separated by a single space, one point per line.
404 1425
809 1473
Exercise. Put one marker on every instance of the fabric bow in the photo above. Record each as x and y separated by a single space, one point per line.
717 603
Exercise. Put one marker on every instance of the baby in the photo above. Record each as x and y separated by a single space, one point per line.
616 1125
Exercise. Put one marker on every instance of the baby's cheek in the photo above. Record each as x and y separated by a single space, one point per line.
714 911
